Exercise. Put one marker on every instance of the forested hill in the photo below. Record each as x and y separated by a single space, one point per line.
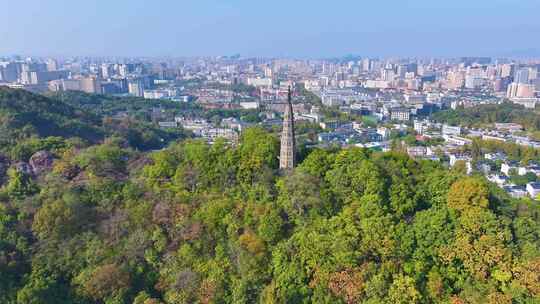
108 105
483 115
30 122
23 113
196 223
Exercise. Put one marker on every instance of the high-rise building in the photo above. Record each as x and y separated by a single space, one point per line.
26 71
52 65
511 92
43 77
412 68
525 90
456 80
366 65
520 90
71 85
10 73
268 72
122 70
473 82
536 84
506 70
522 76
402 70
387 74
90 85
287 151
105 71
501 84
533 73
136 87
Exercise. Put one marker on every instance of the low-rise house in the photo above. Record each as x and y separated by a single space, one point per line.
509 167
233 123
384 132
495 156
451 130
516 191
249 105
332 125
168 124
400 113
492 137
510 127
342 137
533 189
417 151
378 146
498 179
483 167
527 142
431 151
421 126
474 132
522 170
314 118
368 135
454 158
456 140
211 134
195 125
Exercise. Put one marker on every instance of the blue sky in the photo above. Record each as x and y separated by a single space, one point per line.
291 28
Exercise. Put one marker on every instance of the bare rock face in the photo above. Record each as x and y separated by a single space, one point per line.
41 161
24 168
72 172
139 162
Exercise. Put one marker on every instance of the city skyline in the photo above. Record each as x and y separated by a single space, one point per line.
234 151
301 29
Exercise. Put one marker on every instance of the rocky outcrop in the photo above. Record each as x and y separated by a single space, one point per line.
41 161
71 171
24 167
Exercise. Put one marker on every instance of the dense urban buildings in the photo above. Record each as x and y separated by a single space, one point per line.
381 98
254 180
231 152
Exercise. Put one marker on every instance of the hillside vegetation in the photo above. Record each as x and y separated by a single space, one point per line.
482 115
108 223
31 122
24 114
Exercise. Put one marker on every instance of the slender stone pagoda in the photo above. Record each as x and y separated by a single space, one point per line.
287 152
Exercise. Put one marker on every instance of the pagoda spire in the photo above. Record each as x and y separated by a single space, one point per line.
287 159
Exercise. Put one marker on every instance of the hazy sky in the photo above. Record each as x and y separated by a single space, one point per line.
291 28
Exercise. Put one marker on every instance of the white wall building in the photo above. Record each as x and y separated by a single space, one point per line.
533 189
